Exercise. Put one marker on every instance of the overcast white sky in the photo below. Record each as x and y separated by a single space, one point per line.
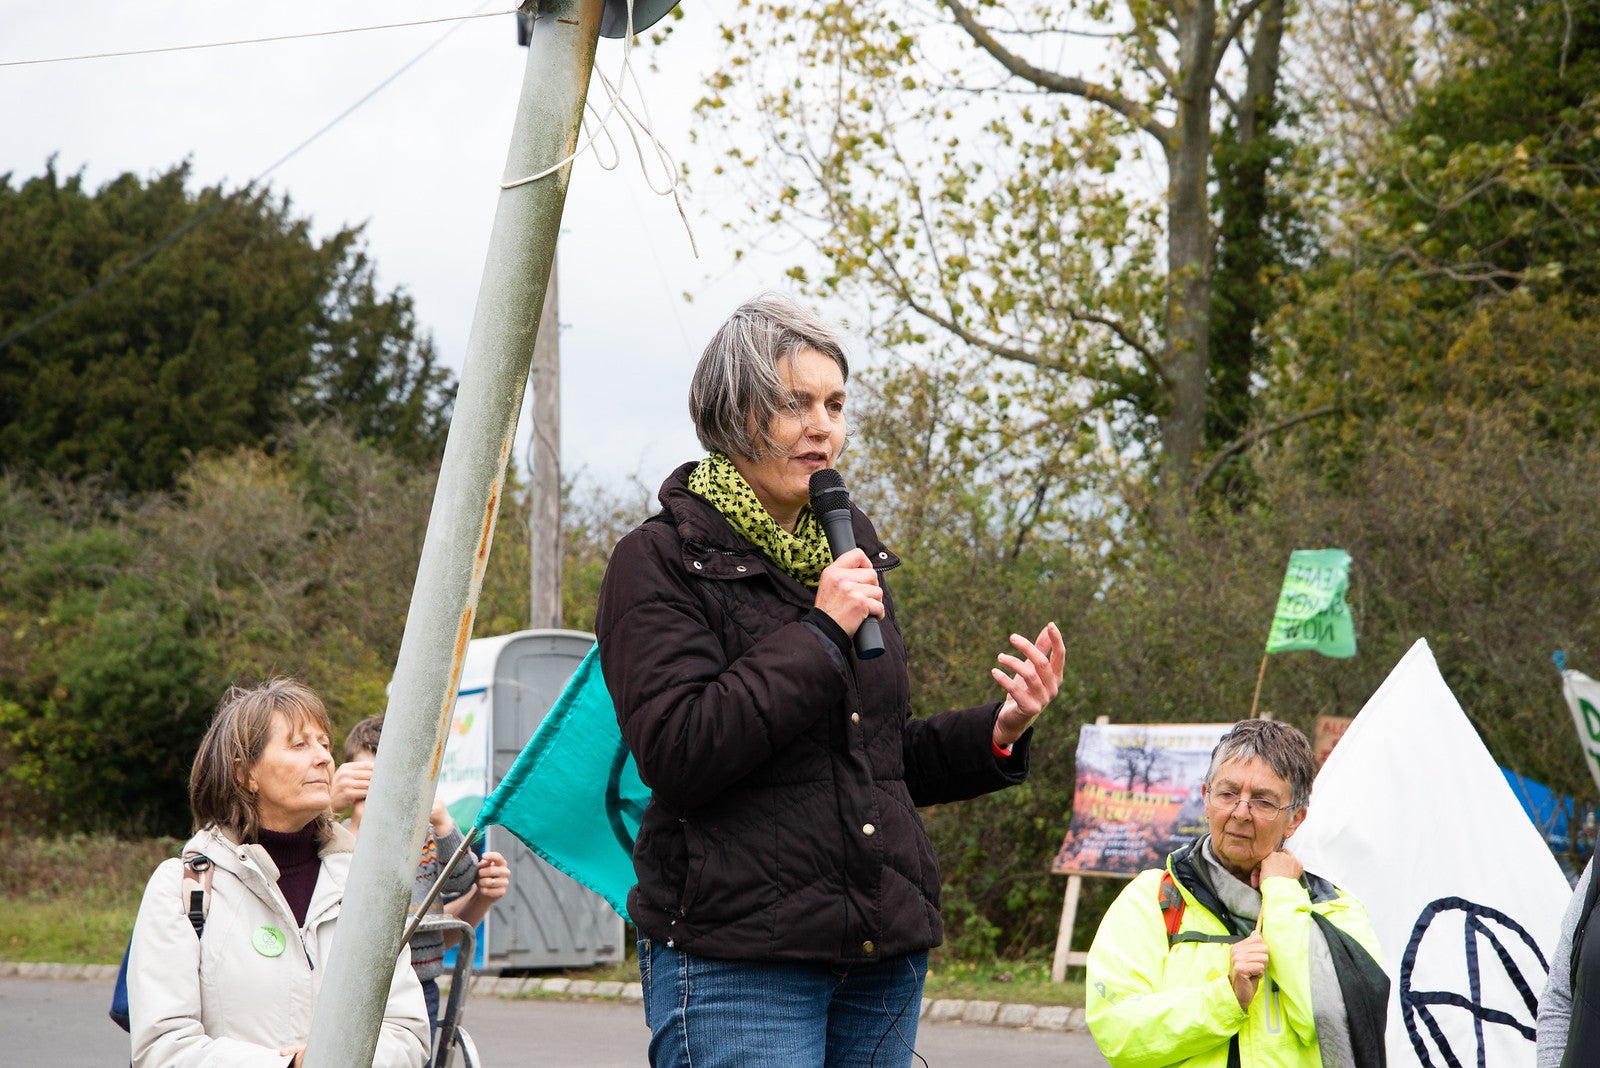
419 164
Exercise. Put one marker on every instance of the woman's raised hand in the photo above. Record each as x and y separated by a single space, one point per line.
1035 678
849 592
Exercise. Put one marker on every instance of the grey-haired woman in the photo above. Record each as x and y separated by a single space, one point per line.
1234 954
787 892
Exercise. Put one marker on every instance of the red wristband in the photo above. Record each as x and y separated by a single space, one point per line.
1000 754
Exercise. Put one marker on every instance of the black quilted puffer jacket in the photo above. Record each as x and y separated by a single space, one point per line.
785 772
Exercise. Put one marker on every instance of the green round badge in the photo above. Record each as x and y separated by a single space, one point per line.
269 941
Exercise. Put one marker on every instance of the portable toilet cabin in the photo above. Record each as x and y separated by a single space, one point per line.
508 684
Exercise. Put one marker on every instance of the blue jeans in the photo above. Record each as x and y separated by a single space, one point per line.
430 995
716 1013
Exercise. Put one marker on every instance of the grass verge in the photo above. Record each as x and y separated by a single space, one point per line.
72 900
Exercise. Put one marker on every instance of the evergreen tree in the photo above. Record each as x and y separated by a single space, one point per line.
148 323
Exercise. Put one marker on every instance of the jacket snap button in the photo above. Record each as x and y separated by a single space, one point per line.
697 565
740 568
866 947
855 717
868 829
882 556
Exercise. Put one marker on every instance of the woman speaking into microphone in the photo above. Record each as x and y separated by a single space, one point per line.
787 894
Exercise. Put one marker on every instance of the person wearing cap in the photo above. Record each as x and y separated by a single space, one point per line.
787 893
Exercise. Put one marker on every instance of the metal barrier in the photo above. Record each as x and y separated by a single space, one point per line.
452 1038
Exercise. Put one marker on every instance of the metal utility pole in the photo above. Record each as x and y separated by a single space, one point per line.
350 1008
544 491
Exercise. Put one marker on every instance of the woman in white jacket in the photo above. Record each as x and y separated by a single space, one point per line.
243 991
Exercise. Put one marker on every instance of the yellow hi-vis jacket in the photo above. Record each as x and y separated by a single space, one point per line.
1151 1004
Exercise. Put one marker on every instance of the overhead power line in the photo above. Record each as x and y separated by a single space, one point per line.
142 257
253 40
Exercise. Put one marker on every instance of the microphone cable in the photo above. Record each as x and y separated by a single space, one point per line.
894 1021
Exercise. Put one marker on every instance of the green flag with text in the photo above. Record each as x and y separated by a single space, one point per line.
574 795
1311 611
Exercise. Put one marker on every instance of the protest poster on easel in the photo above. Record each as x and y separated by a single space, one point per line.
1136 798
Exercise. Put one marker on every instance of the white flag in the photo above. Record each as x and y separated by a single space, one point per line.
1583 698
1411 815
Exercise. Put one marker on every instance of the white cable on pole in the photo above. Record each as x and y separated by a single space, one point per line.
631 121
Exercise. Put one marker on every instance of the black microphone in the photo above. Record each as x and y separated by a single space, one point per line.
830 503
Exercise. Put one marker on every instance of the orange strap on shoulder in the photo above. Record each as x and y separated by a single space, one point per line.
1172 905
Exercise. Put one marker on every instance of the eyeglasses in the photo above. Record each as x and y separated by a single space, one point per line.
1261 809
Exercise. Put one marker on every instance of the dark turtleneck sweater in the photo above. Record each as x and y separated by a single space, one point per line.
295 854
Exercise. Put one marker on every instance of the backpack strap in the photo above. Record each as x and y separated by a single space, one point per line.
1172 906
196 889
194 898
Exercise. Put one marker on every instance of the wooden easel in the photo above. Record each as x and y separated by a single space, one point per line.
1069 918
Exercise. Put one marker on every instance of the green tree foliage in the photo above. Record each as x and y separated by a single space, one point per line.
125 621
1263 232
954 174
149 323
375 370
1495 178
1465 258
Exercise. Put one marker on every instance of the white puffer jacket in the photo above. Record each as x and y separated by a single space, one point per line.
230 997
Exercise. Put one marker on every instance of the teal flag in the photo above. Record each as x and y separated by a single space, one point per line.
1311 610
574 795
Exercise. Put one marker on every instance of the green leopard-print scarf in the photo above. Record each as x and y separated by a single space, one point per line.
802 554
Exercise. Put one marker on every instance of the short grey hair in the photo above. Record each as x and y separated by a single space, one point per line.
1284 748
736 390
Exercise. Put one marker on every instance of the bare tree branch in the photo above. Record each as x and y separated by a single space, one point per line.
1492 275
1227 98
1149 48
1007 351
1053 82
1126 337
1244 442
1231 32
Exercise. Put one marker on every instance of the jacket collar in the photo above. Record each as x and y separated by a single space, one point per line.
1188 870
211 839
254 867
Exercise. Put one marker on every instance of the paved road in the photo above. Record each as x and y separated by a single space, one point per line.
63 1024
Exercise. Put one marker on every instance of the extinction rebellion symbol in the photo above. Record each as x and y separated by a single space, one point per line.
625 802
1482 963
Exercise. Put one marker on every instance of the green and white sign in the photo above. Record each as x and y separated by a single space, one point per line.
1312 614
1583 698
464 771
